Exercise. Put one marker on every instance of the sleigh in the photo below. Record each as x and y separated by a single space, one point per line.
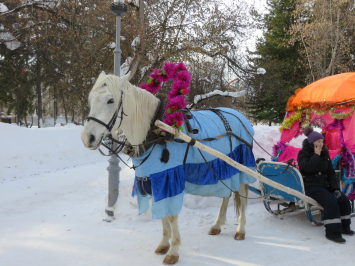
327 104
278 202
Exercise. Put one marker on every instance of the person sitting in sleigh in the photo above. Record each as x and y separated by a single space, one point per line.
322 185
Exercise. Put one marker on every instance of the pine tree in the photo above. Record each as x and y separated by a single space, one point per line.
16 92
269 93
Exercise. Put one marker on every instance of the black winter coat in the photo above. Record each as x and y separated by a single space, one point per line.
317 170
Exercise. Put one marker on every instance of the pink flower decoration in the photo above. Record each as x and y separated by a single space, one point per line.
170 69
172 118
180 66
178 101
184 77
161 77
181 86
152 89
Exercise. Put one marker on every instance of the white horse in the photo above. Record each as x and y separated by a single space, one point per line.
111 93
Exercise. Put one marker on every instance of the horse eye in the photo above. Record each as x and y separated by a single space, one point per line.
110 101
104 84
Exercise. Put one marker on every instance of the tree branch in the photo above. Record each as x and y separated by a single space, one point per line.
39 6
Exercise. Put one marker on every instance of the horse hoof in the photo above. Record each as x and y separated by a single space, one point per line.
161 250
239 236
170 259
214 231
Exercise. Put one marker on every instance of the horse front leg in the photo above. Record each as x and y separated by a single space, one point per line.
173 254
243 193
221 217
164 244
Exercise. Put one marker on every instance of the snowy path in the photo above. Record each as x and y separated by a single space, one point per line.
56 219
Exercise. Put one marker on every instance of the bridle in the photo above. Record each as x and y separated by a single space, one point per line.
112 122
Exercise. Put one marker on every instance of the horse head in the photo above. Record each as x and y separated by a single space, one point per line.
106 109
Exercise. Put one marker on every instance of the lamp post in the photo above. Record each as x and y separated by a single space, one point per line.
118 8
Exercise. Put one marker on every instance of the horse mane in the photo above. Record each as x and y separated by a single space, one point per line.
139 105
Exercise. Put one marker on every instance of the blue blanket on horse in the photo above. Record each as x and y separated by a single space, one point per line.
170 181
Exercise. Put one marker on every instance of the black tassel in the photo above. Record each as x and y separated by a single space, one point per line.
165 156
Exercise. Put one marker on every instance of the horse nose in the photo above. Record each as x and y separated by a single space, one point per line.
91 139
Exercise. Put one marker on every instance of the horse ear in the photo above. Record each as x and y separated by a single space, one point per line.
102 74
125 77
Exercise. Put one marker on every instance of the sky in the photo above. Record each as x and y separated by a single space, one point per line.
260 5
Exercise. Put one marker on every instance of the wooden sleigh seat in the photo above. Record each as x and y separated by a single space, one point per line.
279 202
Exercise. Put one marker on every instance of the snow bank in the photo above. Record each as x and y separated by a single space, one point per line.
267 137
34 151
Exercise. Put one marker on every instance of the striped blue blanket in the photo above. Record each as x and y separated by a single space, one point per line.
170 181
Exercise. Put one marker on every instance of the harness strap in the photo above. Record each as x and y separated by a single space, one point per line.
186 152
219 137
97 120
191 143
112 122
225 123
247 131
188 126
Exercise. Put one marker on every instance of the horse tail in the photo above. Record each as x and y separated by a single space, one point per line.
237 200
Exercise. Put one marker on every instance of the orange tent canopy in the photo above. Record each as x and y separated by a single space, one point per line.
328 91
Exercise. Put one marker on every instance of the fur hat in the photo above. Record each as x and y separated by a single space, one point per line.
312 135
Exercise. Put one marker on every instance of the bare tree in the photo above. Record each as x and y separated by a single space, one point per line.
326 30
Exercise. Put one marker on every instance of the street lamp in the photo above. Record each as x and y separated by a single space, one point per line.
118 8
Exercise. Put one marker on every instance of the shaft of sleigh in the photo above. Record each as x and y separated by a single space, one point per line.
186 138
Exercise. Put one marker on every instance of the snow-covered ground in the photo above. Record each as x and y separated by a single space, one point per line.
53 193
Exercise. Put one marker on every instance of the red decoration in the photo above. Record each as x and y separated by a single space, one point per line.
178 123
